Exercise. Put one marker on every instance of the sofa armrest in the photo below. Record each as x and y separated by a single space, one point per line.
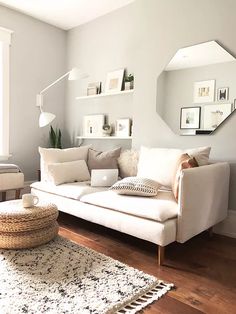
203 199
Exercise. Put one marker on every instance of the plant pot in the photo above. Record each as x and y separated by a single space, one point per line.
129 85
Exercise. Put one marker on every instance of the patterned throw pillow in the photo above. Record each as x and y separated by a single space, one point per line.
184 162
136 186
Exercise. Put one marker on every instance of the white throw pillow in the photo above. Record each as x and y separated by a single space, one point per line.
65 172
54 155
136 186
158 164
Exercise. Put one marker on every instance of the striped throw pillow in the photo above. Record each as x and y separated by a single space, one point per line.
136 186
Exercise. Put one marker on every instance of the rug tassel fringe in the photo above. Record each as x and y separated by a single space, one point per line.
147 298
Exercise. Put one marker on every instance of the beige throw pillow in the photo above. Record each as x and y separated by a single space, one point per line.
136 186
128 163
201 154
65 172
103 160
54 155
184 162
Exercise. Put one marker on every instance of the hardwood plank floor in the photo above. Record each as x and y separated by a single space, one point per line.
203 269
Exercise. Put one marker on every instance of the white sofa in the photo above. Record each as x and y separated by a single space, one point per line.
203 202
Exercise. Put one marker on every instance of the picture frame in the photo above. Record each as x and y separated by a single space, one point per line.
92 125
214 115
123 127
94 88
204 91
114 81
223 94
190 117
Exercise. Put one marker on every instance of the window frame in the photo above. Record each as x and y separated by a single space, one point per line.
5 39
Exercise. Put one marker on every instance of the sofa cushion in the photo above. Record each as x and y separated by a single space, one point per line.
54 155
103 160
69 190
71 171
136 186
158 208
160 163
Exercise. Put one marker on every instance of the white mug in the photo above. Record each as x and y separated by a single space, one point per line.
29 200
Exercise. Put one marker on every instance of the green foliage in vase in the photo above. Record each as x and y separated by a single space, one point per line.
55 138
129 78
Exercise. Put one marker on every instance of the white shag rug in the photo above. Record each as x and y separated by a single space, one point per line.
63 277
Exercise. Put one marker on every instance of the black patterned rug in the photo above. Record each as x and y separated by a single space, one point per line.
63 277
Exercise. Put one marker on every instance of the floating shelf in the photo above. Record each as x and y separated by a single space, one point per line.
123 92
103 138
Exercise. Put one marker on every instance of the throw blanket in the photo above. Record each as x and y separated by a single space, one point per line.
9 168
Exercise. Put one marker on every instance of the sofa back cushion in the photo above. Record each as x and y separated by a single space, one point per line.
158 164
66 172
54 155
184 162
103 160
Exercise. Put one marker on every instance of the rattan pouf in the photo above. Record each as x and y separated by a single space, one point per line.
26 227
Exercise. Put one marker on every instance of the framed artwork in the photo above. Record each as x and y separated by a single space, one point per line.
215 114
114 81
92 125
223 94
190 118
123 127
204 91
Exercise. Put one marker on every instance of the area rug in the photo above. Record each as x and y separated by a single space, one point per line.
63 277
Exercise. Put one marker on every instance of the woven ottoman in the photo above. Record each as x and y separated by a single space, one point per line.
26 227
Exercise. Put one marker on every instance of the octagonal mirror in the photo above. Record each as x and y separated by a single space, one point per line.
196 92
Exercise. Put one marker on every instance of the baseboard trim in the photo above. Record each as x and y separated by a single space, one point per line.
228 226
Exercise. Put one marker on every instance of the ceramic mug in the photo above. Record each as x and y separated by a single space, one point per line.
29 200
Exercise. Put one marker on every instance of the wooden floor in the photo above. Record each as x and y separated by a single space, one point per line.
203 269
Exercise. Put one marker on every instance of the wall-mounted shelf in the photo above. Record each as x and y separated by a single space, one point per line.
103 138
123 92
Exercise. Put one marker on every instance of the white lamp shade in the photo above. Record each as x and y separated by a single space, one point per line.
77 74
45 118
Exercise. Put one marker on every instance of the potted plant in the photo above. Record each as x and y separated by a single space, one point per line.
55 138
129 82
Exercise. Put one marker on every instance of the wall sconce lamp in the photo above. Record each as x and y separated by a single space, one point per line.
46 118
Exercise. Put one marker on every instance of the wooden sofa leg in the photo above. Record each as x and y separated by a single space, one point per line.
4 196
17 195
161 254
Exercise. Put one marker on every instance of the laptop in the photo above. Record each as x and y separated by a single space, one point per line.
104 177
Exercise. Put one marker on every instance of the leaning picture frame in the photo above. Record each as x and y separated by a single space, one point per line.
123 127
92 125
114 81
214 115
190 117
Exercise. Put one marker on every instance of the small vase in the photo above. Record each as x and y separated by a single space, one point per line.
129 85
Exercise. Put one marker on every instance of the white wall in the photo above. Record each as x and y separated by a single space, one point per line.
37 58
143 37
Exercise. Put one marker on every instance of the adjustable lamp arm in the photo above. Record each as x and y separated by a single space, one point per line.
55 82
